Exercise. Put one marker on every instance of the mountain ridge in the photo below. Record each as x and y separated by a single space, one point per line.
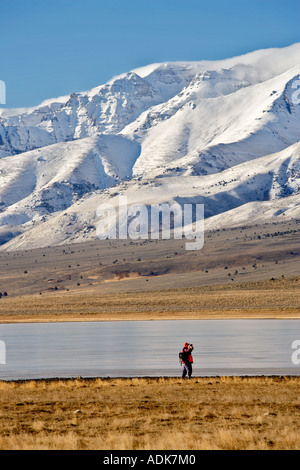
155 128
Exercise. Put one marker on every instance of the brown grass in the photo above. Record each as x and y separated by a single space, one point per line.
157 413
263 299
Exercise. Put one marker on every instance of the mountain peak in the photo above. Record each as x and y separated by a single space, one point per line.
225 133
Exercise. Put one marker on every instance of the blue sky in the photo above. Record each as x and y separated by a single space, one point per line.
51 48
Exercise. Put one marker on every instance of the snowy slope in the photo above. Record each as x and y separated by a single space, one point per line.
105 109
217 122
251 192
41 182
110 107
223 133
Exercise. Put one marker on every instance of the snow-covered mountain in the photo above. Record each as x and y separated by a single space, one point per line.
223 133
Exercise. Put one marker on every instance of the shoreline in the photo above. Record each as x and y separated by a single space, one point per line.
184 316
158 379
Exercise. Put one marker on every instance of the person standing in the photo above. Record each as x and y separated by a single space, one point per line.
187 360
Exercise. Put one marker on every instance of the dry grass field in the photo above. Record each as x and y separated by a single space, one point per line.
278 298
245 272
226 413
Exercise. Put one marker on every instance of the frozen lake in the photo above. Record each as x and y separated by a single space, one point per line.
148 348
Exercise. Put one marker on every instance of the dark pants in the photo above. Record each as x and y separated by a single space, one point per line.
187 370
